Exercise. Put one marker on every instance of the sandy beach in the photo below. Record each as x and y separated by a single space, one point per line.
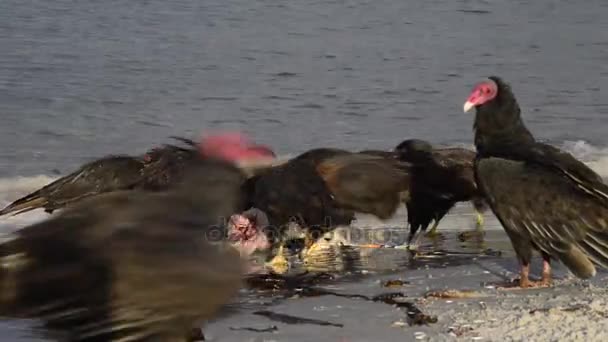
447 295
356 293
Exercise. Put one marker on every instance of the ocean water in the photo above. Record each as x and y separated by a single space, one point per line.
82 79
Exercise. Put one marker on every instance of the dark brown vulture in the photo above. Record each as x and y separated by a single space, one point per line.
156 170
441 177
103 175
545 199
323 188
435 179
130 265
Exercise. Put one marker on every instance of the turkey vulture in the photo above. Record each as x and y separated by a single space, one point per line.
441 177
545 199
106 174
156 170
431 182
323 188
131 265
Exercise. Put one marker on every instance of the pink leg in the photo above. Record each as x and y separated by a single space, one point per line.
524 280
524 277
546 277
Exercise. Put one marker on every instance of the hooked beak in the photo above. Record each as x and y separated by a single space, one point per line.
468 105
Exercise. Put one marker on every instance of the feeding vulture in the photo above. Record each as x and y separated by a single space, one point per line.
156 170
441 177
131 265
432 181
323 188
545 199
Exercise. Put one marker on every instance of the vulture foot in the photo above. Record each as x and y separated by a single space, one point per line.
479 221
524 281
517 284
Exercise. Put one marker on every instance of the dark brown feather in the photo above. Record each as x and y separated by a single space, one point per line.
294 192
441 177
130 265
366 183
324 187
551 215
159 169
545 198
166 165
103 175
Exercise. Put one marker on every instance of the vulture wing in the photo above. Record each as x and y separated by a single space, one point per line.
294 192
366 183
100 176
564 219
127 266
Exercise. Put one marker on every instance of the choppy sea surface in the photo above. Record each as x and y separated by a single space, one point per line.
82 79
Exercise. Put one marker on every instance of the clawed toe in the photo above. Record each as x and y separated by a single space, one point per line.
517 284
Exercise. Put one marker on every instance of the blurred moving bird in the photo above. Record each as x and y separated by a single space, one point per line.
110 173
134 265
156 170
441 177
545 199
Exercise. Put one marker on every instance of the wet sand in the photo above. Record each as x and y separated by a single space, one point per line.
337 300
341 293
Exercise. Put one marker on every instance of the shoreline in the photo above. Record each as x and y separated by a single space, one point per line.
572 309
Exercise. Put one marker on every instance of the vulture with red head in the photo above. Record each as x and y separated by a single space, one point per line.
546 200
133 265
323 188
157 170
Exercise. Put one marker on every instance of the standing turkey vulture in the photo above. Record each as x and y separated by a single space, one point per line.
323 188
131 265
156 170
545 199
441 177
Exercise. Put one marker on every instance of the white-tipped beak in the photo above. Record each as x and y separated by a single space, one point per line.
468 105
